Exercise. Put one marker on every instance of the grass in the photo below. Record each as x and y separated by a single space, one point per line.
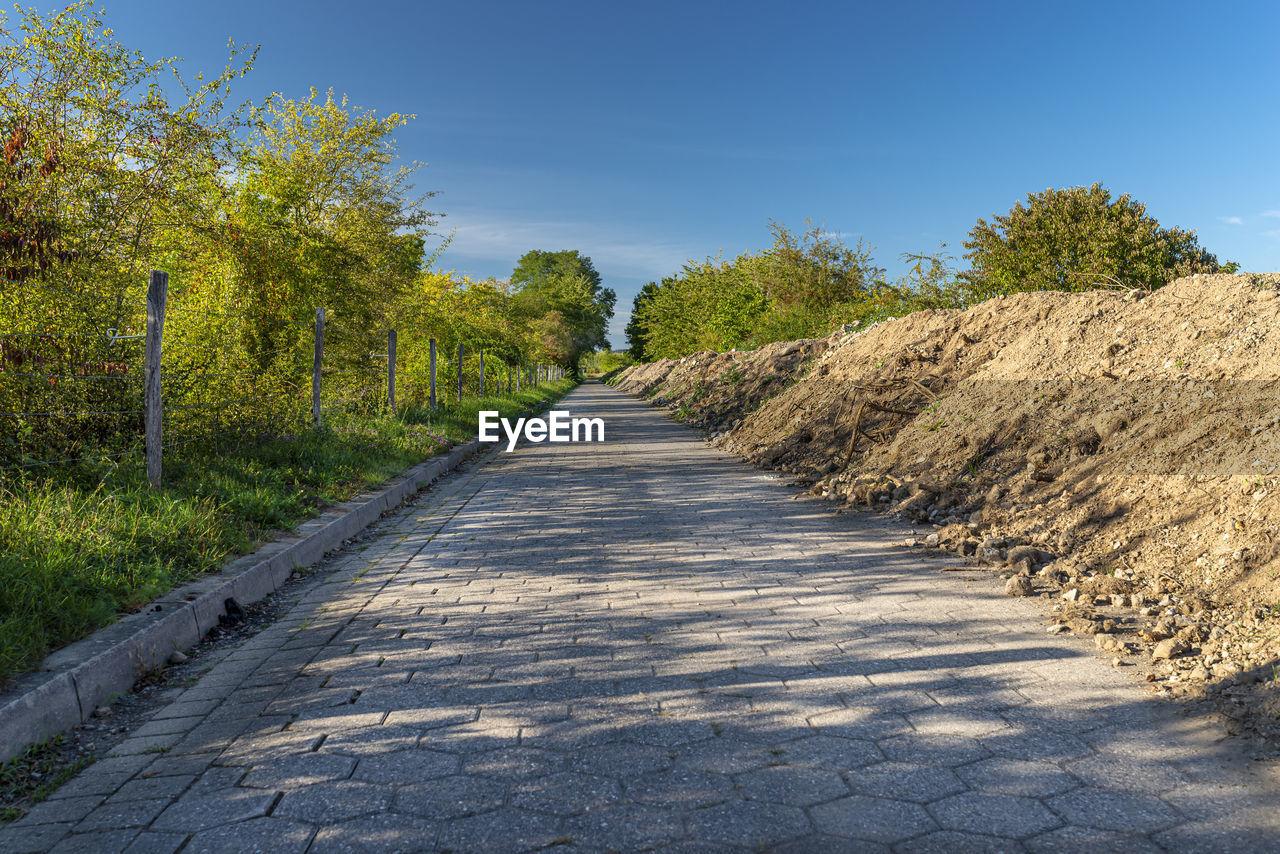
34 775
81 545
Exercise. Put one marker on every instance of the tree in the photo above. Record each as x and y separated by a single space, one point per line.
561 291
538 266
816 269
322 214
97 162
638 327
1076 239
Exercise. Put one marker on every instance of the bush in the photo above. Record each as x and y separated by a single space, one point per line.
1077 239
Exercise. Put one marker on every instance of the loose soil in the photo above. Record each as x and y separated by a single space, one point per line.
1116 454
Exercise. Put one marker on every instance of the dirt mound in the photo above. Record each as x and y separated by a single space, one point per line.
711 388
1120 453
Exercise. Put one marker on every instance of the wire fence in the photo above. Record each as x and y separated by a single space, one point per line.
139 388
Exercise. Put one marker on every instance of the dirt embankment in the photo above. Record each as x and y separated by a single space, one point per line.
1117 454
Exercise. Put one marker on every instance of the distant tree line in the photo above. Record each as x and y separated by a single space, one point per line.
808 284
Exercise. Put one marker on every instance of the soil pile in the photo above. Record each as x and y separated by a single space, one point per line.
1118 454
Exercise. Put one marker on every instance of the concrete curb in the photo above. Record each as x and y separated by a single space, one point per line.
83 676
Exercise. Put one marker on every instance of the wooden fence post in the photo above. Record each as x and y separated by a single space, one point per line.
157 295
317 360
433 373
391 370
461 353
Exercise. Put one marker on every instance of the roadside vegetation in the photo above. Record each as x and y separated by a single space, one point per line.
261 212
808 284
604 362
83 545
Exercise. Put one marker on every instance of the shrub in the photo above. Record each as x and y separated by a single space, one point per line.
1077 239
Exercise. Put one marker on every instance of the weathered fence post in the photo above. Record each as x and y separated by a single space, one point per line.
317 360
433 373
461 353
157 294
482 373
391 370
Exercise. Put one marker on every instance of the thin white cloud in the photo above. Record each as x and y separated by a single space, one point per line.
1231 220
612 250
1275 213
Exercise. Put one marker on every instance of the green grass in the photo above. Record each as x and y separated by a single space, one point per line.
81 545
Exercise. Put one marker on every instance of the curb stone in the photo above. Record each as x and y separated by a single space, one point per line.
77 679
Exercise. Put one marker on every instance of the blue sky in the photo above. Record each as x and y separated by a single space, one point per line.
645 134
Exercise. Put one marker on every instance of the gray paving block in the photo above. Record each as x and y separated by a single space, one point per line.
95 841
194 813
1130 775
517 763
873 819
618 760
336 801
950 751
564 793
415 764
951 841
1030 778
450 797
28 839
60 810
388 833
502 831
1110 810
791 785
905 781
748 824
824 751
151 788
990 814
818 843
1073 839
371 741
680 789
297 772
156 843
627 827
254 836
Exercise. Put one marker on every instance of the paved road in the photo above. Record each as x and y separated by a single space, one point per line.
642 645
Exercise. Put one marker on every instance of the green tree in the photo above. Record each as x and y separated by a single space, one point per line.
815 269
323 215
538 266
1076 239
560 292
98 162
637 326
